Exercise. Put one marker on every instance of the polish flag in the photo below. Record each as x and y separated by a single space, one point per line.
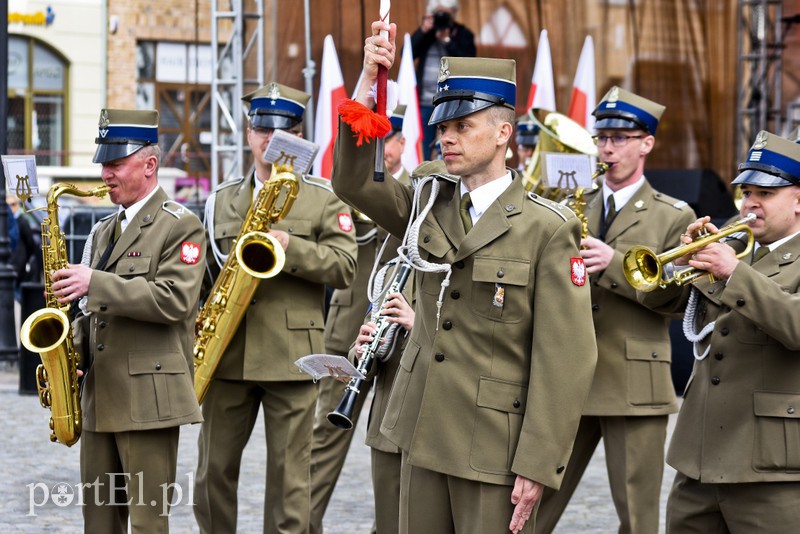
584 92
543 93
331 94
407 94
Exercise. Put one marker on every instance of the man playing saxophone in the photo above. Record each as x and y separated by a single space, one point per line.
632 392
283 322
735 442
138 303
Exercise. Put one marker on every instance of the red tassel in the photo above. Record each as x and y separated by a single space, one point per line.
363 121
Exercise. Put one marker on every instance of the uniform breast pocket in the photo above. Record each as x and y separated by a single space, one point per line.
159 386
777 441
500 288
295 227
128 267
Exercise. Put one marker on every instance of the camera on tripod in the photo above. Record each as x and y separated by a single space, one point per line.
442 21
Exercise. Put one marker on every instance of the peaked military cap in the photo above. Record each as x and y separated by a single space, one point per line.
276 106
527 131
621 109
121 132
772 162
470 84
398 114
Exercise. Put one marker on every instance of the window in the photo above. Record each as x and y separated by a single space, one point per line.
37 82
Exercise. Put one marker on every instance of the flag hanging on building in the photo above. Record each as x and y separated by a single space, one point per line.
331 94
412 123
543 93
584 92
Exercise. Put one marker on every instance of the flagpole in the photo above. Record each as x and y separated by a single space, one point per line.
309 72
380 104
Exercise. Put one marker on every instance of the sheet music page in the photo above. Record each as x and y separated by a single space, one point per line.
323 365
20 172
288 150
567 171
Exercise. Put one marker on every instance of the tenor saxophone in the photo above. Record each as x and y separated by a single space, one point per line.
254 256
48 331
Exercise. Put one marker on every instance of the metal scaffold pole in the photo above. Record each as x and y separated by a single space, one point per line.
237 43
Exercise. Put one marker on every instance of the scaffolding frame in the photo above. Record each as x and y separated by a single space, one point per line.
759 71
243 21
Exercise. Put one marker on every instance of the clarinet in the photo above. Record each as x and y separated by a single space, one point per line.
342 416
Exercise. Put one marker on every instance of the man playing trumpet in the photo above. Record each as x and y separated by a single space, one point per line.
735 445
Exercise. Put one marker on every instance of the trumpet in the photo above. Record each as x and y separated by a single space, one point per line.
644 270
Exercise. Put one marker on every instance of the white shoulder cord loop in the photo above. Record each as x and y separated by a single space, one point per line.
219 257
688 325
409 249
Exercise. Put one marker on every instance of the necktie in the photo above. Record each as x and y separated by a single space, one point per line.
611 212
118 226
463 210
760 253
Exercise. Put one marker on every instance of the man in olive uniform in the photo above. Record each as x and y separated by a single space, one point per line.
141 291
485 404
346 313
284 322
735 443
632 392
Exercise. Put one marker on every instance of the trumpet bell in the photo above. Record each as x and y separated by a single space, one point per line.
641 268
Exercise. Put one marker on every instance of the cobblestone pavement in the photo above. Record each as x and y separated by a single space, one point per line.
31 466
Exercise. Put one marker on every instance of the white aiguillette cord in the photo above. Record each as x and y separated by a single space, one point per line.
409 249
688 325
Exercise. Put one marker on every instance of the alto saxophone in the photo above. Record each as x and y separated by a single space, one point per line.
48 331
577 203
254 256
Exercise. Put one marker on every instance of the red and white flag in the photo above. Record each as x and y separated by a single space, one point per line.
543 93
584 92
407 94
331 94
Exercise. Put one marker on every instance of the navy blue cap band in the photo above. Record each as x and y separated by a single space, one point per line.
623 109
498 89
128 134
279 106
773 163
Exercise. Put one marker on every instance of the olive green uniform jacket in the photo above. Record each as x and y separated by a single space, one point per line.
349 306
633 347
740 418
141 329
284 320
485 392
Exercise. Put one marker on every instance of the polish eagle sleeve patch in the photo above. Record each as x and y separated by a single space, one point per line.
578 271
190 252
345 222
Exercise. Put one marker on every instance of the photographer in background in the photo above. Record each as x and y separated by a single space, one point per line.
438 35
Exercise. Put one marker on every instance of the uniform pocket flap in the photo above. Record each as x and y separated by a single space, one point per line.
500 395
647 350
304 320
769 404
409 355
144 363
433 240
342 297
133 266
228 229
501 271
299 227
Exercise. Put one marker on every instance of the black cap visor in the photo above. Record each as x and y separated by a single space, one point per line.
449 105
273 120
764 176
618 123
110 151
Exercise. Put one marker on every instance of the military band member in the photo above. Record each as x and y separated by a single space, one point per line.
141 291
485 405
632 392
734 444
527 137
283 323
345 315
